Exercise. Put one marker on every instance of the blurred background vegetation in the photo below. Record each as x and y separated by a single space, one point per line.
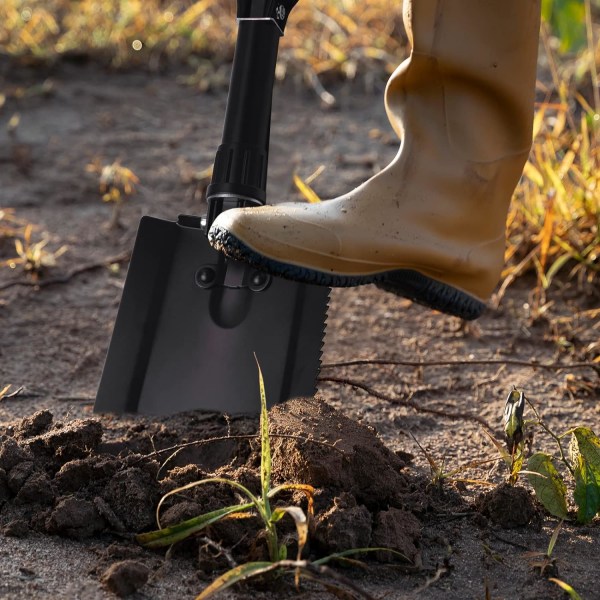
554 222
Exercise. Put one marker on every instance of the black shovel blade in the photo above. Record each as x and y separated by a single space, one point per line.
190 322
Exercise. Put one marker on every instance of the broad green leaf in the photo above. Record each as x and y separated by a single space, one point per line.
176 533
236 574
547 484
587 491
585 455
567 20
565 586
589 446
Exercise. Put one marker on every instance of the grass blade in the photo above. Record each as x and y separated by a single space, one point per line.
301 527
238 486
565 586
236 574
306 190
265 450
183 530
309 492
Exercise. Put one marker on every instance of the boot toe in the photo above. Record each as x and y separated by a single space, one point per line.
285 232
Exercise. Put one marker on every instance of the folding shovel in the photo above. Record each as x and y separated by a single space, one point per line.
190 320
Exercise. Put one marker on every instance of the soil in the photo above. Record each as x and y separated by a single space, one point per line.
75 486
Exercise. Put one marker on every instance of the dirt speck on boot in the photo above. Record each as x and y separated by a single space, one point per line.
398 530
125 577
507 506
345 525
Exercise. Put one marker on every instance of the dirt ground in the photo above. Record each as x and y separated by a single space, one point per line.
74 485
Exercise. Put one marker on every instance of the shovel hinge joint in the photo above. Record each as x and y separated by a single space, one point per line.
276 11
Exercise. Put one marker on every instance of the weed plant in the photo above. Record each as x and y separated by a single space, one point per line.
258 505
581 461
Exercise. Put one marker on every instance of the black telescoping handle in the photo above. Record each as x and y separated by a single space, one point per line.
240 169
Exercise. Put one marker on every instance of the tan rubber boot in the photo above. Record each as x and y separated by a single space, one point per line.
431 225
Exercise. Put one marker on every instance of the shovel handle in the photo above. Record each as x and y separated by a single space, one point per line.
240 169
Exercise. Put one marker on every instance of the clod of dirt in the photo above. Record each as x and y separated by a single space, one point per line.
75 518
34 425
11 454
4 491
345 525
133 495
37 489
398 530
75 439
358 462
507 506
18 528
19 474
181 512
80 473
125 577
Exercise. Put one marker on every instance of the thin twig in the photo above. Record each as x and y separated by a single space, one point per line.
208 543
324 571
552 435
240 437
440 572
507 541
120 258
408 402
533 364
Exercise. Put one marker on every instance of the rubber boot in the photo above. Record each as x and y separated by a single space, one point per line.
431 225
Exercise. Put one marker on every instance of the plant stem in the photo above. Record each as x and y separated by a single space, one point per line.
553 436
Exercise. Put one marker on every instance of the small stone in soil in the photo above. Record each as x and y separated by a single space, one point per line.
125 577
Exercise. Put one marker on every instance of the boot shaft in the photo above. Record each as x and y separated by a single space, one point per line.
483 57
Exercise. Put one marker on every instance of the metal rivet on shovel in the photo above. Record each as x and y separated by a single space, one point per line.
190 321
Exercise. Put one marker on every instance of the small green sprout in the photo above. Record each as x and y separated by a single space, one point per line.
257 505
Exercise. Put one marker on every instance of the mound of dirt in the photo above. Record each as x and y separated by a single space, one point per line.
85 478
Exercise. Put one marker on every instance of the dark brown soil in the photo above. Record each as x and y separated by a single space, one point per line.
75 487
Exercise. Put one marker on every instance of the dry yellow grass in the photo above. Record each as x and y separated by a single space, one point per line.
554 221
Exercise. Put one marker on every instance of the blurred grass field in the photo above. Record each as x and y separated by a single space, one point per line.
554 222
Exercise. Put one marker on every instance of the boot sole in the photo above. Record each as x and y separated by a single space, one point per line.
402 282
